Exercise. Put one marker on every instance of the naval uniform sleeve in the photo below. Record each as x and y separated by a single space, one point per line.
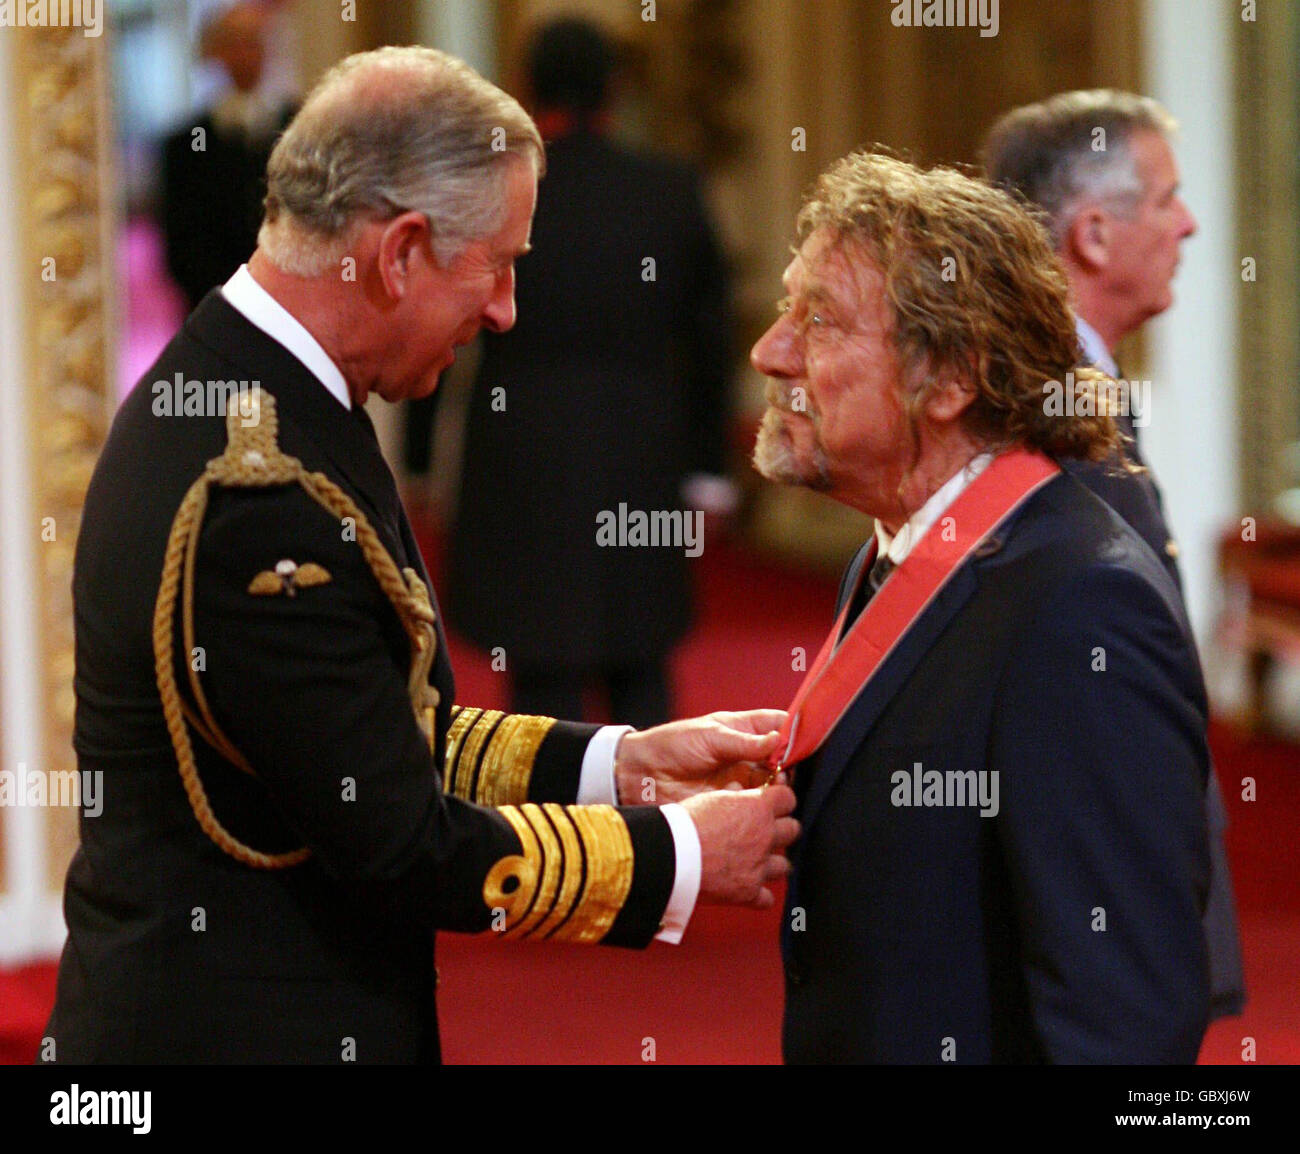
309 684
495 758
498 758
1099 741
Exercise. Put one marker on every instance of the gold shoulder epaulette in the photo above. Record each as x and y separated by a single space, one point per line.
253 460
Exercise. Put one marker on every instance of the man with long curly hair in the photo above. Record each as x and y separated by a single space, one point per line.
1010 690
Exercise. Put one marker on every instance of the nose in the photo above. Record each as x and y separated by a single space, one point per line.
499 312
1189 221
777 352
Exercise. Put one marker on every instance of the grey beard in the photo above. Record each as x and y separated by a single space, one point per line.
775 458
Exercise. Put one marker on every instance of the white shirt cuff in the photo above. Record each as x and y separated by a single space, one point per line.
596 781
596 787
686 885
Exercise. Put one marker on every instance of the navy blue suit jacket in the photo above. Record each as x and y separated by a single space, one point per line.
1136 498
1066 927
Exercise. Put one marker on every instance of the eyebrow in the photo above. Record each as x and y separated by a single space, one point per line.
816 291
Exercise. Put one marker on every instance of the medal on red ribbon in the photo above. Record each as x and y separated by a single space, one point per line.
845 666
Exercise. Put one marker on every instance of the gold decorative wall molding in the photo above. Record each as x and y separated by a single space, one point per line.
63 149
1268 203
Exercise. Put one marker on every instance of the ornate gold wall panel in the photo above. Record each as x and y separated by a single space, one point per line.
324 37
1268 197
64 148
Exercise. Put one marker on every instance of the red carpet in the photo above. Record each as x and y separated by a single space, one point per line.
717 997
1266 871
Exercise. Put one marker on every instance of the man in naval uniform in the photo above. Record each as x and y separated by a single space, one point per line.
261 673
1117 221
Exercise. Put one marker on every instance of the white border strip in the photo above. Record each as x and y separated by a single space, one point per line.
25 931
1192 441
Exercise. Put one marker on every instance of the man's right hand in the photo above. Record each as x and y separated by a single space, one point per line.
743 835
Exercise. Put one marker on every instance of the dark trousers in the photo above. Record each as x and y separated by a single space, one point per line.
638 692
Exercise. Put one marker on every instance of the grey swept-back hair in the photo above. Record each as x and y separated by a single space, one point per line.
390 131
1054 155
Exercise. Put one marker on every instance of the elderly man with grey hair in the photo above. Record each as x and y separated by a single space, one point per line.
293 805
1100 166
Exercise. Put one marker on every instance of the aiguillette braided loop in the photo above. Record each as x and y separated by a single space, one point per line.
253 460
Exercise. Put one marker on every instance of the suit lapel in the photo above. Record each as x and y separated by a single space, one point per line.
882 688
854 586
815 778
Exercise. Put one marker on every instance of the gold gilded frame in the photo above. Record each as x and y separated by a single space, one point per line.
1267 83
63 147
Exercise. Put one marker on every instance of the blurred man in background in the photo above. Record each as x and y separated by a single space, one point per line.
1100 165
610 392
214 168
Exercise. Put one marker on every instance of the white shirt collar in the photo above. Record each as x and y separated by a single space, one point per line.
896 548
248 297
1095 351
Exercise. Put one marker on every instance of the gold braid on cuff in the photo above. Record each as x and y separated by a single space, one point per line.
253 460
490 755
572 877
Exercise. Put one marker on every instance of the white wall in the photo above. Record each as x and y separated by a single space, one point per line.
1191 442
465 28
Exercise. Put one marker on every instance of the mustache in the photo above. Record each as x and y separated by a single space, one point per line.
787 398
779 395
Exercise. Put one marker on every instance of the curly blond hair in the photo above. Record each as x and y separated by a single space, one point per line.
975 288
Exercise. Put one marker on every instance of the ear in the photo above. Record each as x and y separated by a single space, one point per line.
951 394
1087 240
403 243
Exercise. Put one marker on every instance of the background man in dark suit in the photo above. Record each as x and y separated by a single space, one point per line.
214 168
1049 665
399 200
1116 218
611 390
